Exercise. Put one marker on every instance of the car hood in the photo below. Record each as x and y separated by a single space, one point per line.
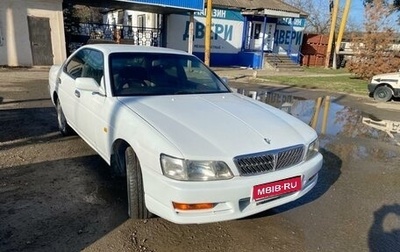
387 76
219 125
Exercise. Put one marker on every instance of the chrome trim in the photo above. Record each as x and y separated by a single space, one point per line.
269 161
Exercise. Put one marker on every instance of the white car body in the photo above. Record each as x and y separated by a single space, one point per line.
385 86
217 126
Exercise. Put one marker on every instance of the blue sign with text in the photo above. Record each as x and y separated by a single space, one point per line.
288 37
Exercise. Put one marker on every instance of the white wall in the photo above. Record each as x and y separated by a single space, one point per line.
15 48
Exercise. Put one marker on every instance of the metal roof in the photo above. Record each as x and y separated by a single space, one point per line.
274 5
261 5
140 5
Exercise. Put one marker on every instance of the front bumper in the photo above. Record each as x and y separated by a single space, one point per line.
232 197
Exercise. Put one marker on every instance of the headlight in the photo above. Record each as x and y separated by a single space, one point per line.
313 149
190 170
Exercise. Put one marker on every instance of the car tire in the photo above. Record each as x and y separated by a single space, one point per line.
383 93
136 201
63 126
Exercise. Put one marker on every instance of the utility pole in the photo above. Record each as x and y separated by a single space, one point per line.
332 32
341 32
190 39
207 38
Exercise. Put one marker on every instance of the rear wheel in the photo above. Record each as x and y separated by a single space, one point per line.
63 126
136 202
383 93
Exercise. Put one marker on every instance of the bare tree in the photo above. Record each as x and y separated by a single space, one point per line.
319 15
318 20
393 4
82 14
374 52
87 14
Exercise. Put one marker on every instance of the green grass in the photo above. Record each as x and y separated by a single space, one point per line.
331 82
322 70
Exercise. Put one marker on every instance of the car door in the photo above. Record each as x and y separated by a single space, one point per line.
90 115
66 87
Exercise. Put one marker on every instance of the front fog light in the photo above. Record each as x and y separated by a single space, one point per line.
197 206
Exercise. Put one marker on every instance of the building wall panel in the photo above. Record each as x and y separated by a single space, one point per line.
15 45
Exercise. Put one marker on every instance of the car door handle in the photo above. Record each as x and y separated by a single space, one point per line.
77 93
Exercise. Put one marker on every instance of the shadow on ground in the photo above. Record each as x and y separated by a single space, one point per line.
62 205
26 123
384 234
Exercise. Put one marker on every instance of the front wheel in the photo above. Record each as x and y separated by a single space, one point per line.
63 126
136 202
383 93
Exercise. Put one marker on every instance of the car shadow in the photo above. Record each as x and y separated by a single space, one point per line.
24 101
27 123
328 175
61 205
396 99
380 237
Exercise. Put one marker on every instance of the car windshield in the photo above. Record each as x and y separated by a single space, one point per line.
161 74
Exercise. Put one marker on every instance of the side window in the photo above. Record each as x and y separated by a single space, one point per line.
94 65
86 63
75 65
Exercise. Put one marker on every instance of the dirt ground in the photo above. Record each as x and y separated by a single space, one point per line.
56 194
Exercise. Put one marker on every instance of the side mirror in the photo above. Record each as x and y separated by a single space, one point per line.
88 84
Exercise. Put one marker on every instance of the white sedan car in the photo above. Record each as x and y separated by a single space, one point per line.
192 150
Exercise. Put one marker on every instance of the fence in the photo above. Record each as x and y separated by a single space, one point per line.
80 33
314 49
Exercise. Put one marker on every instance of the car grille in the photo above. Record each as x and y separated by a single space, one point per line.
253 164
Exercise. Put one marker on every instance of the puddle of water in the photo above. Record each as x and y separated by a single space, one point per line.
333 120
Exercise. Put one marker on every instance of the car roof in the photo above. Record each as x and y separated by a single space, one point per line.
113 48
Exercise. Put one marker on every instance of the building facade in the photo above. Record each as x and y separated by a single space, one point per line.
31 32
238 39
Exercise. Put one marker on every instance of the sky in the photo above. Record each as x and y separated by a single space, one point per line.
357 14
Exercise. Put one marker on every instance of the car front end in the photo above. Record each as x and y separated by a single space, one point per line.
225 163
391 79
260 182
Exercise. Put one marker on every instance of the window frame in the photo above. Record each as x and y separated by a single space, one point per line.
65 68
148 60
